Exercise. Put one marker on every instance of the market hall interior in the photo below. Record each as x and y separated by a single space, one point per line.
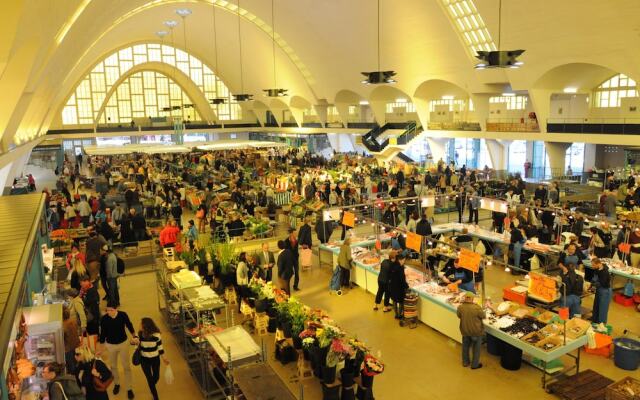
202 162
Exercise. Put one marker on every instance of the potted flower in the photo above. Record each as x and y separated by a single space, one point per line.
226 257
372 367
285 317
354 362
308 343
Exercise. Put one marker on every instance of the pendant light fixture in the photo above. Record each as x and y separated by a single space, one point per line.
275 91
217 100
242 96
378 77
170 24
499 58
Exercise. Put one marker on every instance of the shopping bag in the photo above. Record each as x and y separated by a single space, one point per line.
89 341
306 257
168 375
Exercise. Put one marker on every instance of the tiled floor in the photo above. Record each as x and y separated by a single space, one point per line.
420 363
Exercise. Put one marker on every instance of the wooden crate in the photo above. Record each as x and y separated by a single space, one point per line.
587 385
618 390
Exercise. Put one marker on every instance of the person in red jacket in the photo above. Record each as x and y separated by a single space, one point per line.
169 234
75 255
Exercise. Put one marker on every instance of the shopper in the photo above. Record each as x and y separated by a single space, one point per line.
77 309
78 270
71 340
169 234
266 262
111 266
94 245
571 290
344 262
634 241
113 335
471 316
89 370
61 386
383 283
602 283
304 234
242 278
291 242
285 267
151 350
139 225
91 299
192 233
75 256
398 285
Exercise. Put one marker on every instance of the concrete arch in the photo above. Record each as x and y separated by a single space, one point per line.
298 105
434 89
582 76
180 78
345 98
259 108
279 107
380 96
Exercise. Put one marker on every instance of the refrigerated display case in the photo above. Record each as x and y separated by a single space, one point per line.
44 344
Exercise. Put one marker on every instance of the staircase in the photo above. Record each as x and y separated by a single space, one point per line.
370 139
405 158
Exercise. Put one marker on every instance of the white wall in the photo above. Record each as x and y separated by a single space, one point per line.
342 142
569 106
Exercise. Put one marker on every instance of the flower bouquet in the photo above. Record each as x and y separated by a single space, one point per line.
326 335
308 333
372 366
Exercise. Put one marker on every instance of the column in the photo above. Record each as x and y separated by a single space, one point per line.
481 109
437 147
379 109
557 153
497 153
321 110
541 101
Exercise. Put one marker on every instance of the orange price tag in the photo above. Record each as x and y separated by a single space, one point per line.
542 286
469 260
624 247
414 241
348 219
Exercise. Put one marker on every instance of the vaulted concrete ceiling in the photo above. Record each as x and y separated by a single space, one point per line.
48 46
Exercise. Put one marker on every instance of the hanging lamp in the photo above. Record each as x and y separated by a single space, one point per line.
379 76
499 58
216 100
242 96
275 91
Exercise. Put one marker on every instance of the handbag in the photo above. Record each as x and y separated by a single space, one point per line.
99 384
136 359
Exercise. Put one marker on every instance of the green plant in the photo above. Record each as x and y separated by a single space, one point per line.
188 257
226 256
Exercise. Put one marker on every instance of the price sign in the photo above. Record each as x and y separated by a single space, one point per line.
624 248
542 286
469 260
414 241
348 219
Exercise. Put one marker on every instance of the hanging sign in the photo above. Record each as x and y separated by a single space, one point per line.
542 286
494 205
414 241
428 201
469 260
624 248
348 219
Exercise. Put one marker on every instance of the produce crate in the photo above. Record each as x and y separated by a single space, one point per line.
576 327
625 389
604 346
623 300
550 343
508 294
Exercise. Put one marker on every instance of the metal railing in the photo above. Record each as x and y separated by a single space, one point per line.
454 126
615 126
512 125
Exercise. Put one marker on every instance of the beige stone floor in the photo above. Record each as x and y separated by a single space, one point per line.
420 363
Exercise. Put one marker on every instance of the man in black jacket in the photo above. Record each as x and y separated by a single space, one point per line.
304 235
285 267
139 225
423 227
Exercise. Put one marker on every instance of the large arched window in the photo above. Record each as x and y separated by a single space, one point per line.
84 104
148 94
609 93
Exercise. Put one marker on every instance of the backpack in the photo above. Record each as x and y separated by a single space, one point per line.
120 266
69 388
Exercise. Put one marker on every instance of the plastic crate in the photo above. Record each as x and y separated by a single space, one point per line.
623 300
600 351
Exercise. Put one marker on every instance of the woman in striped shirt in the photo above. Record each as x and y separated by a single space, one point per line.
150 343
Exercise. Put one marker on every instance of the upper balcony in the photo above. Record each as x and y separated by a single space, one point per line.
612 126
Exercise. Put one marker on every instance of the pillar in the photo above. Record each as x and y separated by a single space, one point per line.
481 109
437 147
557 155
321 110
541 101
497 153
343 112
379 109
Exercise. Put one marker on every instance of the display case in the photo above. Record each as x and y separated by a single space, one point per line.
44 343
